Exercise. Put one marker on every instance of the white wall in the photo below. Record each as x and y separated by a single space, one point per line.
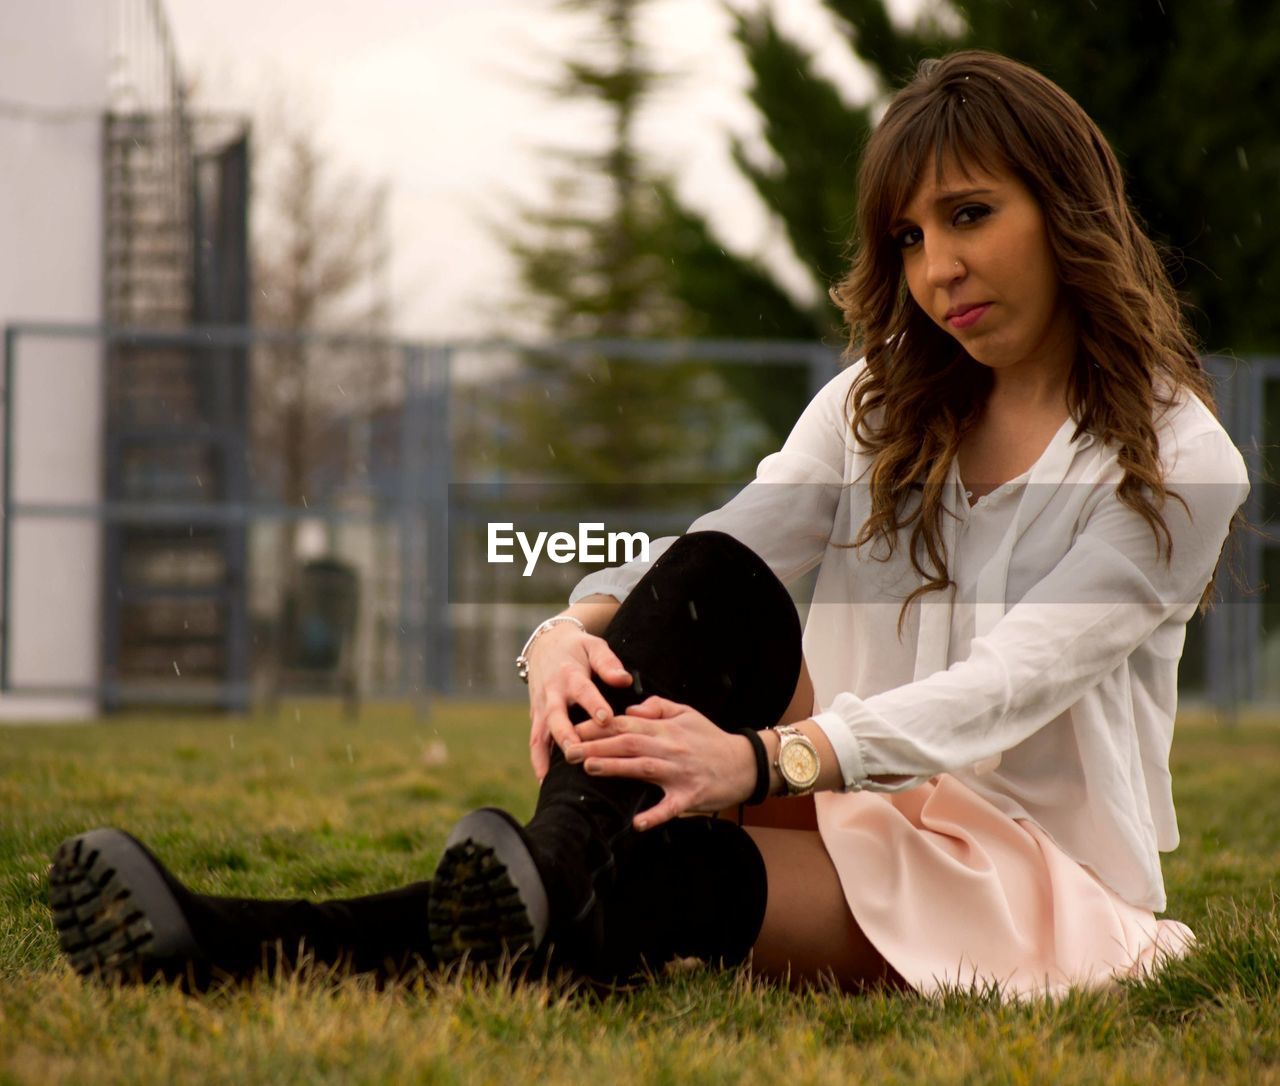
53 93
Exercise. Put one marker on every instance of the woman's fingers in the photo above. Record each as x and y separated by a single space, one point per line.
626 745
670 806
557 720
654 706
582 691
540 746
645 768
622 724
606 664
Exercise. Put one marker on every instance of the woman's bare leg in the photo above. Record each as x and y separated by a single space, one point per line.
808 931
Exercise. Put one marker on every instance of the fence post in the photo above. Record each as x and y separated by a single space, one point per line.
439 634
411 506
6 530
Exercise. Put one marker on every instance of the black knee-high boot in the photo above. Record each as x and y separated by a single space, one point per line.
122 915
709 625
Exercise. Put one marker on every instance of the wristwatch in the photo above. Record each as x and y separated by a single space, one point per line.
797 762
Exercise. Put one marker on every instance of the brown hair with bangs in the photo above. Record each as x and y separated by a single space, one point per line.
1134 350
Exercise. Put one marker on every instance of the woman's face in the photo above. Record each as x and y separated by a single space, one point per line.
976 257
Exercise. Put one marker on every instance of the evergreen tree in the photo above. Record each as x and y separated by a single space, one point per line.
594 265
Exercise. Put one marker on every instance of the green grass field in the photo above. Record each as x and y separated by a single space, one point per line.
309 805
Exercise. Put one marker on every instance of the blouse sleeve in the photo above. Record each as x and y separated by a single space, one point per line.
1101 601
785 514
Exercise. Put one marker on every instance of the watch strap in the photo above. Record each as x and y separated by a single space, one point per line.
761 792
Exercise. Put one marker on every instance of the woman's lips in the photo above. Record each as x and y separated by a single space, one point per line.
967 316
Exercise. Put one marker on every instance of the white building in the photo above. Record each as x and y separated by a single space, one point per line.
101 217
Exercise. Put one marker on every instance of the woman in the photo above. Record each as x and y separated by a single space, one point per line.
1015 501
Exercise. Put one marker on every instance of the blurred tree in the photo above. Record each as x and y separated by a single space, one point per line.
1185 92
319 258
597 263
319 254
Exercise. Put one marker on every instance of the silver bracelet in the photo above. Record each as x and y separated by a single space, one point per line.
522 661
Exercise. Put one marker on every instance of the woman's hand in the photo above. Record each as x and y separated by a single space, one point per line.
561 663
697 764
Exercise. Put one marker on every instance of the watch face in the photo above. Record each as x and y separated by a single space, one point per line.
799 764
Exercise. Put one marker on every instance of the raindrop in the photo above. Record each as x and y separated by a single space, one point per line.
304 502
1242 158
232 740
341 391
199 482
1236 239
175 669
551 450
297 715
693 611
291 762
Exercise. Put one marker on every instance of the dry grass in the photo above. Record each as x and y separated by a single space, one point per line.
310 805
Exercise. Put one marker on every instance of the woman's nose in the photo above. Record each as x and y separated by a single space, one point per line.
943 265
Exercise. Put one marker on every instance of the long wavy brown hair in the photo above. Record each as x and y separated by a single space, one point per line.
1134 350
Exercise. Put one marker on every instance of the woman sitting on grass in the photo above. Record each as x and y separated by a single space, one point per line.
1015 500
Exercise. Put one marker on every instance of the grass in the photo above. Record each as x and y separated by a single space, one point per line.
309 805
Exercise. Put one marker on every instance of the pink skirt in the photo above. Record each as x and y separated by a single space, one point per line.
954 893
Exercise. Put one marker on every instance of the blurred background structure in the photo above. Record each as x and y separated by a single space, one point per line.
235 472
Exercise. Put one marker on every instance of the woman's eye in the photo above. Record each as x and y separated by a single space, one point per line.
971 213
908 237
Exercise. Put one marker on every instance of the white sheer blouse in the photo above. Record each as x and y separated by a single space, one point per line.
1046 678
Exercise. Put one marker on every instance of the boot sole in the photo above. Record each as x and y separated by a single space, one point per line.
116 918
488 902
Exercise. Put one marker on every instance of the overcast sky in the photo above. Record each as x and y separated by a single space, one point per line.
433 97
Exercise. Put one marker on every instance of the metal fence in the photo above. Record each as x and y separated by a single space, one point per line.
233 516
176 501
